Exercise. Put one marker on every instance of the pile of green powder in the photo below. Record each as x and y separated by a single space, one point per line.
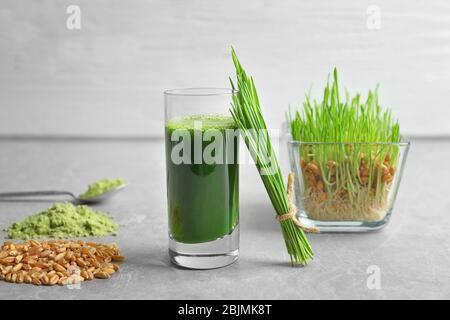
64 220
100 187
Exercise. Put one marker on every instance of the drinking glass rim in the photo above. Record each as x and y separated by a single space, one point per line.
200 91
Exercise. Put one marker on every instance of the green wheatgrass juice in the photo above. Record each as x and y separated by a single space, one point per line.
203 198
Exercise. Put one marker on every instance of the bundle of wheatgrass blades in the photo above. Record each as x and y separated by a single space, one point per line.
246 112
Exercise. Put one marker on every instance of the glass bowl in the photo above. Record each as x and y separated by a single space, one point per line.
346 187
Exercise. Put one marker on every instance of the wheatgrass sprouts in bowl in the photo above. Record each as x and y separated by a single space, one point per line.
347 152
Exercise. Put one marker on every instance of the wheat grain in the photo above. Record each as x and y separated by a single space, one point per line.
48 262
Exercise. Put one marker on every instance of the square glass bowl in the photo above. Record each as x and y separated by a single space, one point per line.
346 187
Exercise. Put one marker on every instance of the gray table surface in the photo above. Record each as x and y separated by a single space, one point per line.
412 252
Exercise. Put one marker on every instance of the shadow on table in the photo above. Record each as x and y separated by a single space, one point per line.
264 263
153 258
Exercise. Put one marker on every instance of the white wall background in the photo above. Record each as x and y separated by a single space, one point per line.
108 77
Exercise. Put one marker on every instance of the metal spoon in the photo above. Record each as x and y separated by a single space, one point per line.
100 198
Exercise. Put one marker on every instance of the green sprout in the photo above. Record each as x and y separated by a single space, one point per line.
247 114
348 152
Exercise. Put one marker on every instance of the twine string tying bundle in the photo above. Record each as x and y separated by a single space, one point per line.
292 213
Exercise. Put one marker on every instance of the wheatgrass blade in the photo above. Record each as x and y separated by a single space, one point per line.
246 111
357 158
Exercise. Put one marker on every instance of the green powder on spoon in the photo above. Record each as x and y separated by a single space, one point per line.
64 220
100 187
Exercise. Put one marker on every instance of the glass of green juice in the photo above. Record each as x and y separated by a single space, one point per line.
202 143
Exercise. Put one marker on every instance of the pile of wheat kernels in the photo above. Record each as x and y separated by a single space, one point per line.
60 262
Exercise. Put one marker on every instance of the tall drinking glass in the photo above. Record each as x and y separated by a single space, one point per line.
202 177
